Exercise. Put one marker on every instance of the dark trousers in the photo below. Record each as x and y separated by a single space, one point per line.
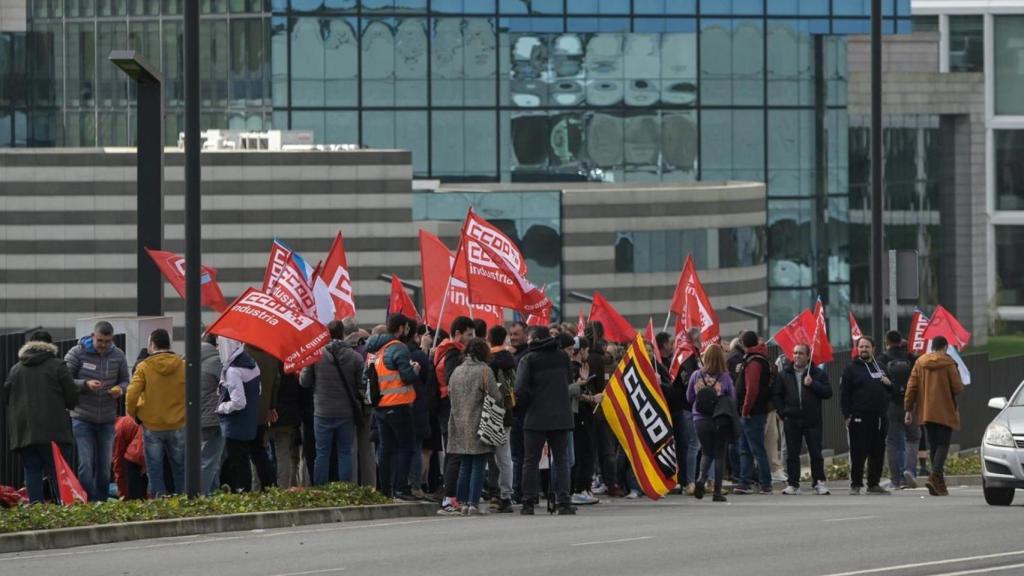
397 446
714 438
452 467
798 434
939 437
867 442
604 448
533 445
37 460
260 456
515 442
309 447
236 472
135 479
583 470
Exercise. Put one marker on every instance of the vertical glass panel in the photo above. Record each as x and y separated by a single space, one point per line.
309 120
605 69
837 122
1009 169
144 7
642 146
307 56
567 84
530 6
112 84
111 8
790 63
679 68
665 6
172 63
854 7
727 7
732 144
526 66
791 152
379 129
642 58
394 60
112 129
46 53
463 144
80 8
966 44
279 44
416 6
213 51
836 72
464 62
411 134
173 7
605 143
324 66
144 38
798 7
732 62
679 145
791 242
1008 48
1009 266
213 6
924 24
463 6
248 56
81 64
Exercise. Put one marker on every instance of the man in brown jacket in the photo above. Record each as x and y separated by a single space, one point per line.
932 393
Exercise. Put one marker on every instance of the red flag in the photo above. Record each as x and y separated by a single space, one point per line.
400 302
335 274
943 323
821 348
649 331
795 333
581 324
916 340
616 328
267 323
286 281
436 262
682 350
67 483
494 268
691 301
855 335
172 267
541 318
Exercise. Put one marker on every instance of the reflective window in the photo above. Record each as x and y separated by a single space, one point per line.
785 304
464 63
1008 49
213 75
597 6
1009 169
732 62
791 152
924 24
464 144
650 251
394 60
111 83
798 7
248 58
530 6
791 62
173 67
279 48
416 6
789 229
732 145
463 6
1009 265
407 130
665 6
966 44
324 62
718 7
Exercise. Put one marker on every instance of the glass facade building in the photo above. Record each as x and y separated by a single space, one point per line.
498 91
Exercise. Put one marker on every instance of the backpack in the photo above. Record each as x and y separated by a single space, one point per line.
507 383
706 398
899 373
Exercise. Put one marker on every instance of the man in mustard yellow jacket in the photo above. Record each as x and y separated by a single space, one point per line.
156 398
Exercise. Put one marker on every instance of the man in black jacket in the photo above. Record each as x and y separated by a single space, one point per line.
682 416
798 391
903 438
864 393
542 393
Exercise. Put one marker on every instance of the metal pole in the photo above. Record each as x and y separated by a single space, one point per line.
149 196
892 290
877 309
193 248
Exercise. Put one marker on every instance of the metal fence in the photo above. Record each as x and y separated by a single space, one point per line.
10 464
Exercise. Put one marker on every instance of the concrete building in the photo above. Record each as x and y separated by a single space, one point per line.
67 230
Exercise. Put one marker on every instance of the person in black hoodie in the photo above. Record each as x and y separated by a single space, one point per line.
682 411
285 434
898 362
423 407
798 391
864 393
542 393
503 363
604 440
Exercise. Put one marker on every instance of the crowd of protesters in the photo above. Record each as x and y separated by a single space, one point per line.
400 408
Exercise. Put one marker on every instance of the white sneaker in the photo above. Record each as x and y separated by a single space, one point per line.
584 499
633 495
598 489
779 476
791 491
821 489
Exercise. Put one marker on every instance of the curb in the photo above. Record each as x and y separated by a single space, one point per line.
955 481
107 533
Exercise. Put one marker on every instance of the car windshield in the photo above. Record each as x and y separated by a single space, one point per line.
1018 397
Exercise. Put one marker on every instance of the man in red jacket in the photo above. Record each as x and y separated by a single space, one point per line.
754 396
129 459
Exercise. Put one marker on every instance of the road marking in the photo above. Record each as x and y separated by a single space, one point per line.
615 541
849 519
981 570
324 571
123 549
926 564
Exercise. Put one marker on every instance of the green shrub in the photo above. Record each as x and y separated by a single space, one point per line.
48 516
955 466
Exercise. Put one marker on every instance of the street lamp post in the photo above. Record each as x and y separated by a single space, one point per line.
193 249
877 297
149 176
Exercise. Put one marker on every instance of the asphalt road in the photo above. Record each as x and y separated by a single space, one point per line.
907 534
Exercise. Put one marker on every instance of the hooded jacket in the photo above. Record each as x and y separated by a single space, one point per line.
754 386
395 357
36 395
156 396
447 357
111 368
334 396
861 391
542 387
933 389
799 402
240 396
209 384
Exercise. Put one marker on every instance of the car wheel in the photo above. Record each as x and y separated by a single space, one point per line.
998 496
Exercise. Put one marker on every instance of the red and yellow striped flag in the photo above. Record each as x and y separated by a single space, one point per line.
638 414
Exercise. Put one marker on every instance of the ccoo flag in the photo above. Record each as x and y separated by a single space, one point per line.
636 411
172 267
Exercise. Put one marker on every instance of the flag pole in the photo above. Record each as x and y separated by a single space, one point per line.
448 286
668 317
814 339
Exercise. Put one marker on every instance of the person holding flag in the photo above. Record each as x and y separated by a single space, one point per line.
864 393
799 390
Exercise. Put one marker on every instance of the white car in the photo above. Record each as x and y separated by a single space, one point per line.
1002 450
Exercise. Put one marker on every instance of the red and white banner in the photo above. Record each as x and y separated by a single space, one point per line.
172 267
581 324
68 486
798 331
916 342
339 284
692 303
267 323
821 348
286 281
399 302
855 335
616 328
436 262
494 269
943 323
682 349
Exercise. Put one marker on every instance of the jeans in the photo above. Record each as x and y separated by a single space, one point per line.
160 444
397 438
938 447
571 457
558 441
37 459
471 478
210 454
796 434
714 438
867 442
260 457
503 460
752 449
336 433
686 437
896 444
95 443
